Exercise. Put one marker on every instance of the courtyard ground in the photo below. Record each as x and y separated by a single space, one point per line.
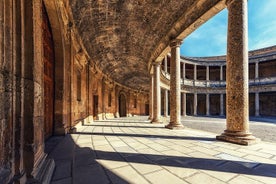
132 150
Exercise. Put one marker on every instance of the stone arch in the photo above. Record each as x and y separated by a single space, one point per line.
49 64
61 114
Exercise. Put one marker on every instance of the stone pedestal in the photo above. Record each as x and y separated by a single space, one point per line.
175 93
237 76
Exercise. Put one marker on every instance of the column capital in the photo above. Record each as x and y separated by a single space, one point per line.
156 63
176 43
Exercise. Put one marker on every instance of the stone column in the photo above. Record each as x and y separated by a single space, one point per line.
156 94
221 72
175 121
184 71
166 63
207 73
166 103
184 104
195 74
195 104
151 97
221 105
256 70
237 130
257 104
207 83
207 104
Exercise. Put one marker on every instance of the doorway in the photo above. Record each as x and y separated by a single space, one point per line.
122 105
95 106
48 61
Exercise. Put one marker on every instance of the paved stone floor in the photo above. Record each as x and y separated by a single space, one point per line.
131 150
261 127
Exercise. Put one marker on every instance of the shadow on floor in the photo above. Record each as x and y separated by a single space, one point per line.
148 136
127 126
76 164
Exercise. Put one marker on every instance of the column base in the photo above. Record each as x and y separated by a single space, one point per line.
156 121
43 171
174 126
238 138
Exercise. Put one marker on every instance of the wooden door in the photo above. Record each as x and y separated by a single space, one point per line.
95 106
48 50
122 105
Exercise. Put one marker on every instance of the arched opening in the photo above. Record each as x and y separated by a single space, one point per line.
122 105
48 61
61 114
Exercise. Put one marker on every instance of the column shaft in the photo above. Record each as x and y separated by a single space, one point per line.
207 73
195 104
257 104
157 94
166 63
207 104
184 71
175 121
221 72
184 104
151 97
237 130
221 105
256 70
166 103
195 72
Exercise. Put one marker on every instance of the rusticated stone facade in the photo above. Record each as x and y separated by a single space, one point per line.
48 84
65 62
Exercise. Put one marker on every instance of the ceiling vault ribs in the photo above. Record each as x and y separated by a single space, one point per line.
123 37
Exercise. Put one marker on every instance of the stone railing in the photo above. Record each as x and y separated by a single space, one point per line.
262 81
165 78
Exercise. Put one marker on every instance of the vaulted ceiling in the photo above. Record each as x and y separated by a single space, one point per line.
123 37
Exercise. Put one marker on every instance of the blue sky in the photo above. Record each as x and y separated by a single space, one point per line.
210 38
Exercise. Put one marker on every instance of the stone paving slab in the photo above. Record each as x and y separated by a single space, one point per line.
132 150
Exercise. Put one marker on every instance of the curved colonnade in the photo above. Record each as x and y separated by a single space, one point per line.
234 82
203 84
